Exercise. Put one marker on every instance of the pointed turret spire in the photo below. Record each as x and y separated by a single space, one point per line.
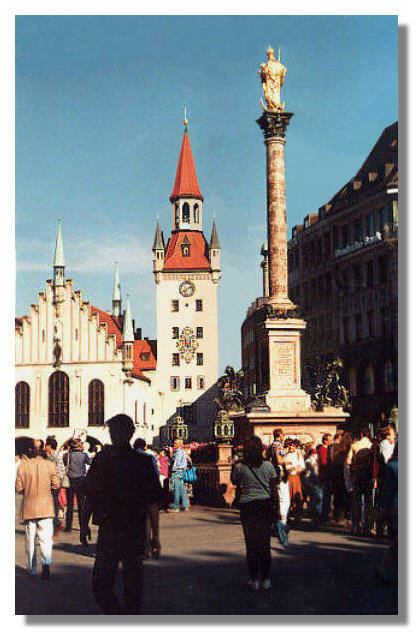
186 183
59 260
159 238
128 331
214 240
117 297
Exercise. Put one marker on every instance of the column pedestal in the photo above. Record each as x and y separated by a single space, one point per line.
283 341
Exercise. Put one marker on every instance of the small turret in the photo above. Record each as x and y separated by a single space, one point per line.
128 337
158 249
117 297
215 251
59 260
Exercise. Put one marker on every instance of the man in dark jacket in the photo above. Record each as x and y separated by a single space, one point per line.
121 488
76 463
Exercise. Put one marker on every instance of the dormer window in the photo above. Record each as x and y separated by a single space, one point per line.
185 247
196 213
186 213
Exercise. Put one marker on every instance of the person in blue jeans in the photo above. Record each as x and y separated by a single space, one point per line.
177 478
312 485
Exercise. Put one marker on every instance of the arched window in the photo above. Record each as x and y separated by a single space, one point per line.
22 404
370 380
59 400
177 216
389 383
96 403
196 213
186 213
353 381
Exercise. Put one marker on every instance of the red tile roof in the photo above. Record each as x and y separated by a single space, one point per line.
114 324
198 258
143 356
186 183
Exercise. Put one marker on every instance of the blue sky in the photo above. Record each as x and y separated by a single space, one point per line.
99 109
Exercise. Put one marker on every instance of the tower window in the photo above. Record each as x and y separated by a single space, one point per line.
175 359
196 213
186 213
76 335
188 383
185 250
174 383
199 305
200 382
43 336
199 359
176 333
177 216
174 305
199 332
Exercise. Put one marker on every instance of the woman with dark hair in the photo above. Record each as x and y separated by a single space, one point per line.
256 482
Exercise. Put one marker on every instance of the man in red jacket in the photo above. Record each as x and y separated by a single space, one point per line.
324 477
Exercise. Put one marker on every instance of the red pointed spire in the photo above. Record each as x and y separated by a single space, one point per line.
186 183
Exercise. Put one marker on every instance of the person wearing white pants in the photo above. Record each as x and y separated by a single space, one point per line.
45 528
35 479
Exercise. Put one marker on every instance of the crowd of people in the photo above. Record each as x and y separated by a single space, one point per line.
52 480
347 478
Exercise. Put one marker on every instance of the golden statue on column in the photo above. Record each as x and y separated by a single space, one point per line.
272 76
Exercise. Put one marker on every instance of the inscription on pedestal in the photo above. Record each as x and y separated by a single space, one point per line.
283 366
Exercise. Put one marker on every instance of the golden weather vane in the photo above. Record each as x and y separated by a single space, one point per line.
272 76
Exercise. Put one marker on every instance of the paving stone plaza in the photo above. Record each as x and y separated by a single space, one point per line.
202 571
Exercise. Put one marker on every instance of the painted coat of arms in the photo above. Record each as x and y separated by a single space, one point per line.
187 344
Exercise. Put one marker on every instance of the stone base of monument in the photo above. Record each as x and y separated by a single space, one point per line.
308 425
214 487
286 404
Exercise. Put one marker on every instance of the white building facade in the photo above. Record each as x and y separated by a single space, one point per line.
77 365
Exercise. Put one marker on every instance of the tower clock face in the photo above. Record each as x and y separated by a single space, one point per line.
187 288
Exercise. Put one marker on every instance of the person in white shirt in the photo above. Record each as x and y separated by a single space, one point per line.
387 445
295 465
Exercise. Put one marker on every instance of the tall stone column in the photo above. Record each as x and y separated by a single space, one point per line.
273 125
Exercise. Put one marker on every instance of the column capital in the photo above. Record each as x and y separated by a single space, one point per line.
274 124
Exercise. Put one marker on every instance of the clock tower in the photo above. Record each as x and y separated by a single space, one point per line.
187 273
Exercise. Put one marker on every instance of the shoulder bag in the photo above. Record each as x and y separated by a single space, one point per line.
190 475
279 529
